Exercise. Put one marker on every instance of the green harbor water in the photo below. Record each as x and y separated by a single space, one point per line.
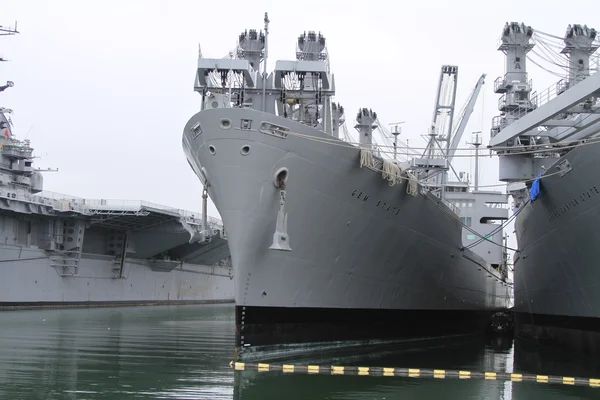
183 352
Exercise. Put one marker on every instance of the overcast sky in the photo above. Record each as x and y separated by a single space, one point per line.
104 88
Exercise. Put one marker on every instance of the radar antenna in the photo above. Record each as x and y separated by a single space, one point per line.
7 31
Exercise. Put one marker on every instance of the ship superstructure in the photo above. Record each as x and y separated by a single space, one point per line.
549 156
59 250
332 241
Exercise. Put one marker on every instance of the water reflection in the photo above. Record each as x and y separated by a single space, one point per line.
499 355
158 352
553 361
183 352
467 354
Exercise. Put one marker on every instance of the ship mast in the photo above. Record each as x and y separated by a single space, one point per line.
476 143
539 128
300 89
337 119
265 73
365 124
7 31
20 176
236 80
305 86
434 158
396 131
515 86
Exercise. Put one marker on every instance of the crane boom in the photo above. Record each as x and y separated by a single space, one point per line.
464 119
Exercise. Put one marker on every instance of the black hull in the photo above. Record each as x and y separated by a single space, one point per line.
271 332
33 305
580 334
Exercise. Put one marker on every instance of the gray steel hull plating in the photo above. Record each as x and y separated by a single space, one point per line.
357 243
29 281
557 296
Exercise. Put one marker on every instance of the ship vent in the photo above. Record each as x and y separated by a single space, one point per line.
246 124
73 234
196 129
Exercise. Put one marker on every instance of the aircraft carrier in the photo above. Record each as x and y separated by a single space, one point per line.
547 142
331 242
60 250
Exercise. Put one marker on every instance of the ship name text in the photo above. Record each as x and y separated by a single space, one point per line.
590 193
380 204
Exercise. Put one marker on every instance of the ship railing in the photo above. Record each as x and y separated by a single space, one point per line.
12 150
89 205
502 102
562 85
499 84
424 190
59 196
595 63
510 79
451 206
539 99
379 153
543 97
27 197
499 122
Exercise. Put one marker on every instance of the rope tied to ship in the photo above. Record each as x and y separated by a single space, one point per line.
391 171
412 187
366 158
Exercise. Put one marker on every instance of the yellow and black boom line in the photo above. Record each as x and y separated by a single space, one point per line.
414 373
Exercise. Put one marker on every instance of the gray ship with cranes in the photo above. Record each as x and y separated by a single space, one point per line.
64 251
547 143
337 243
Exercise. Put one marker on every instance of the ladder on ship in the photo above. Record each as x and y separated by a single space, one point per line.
66 262
121 259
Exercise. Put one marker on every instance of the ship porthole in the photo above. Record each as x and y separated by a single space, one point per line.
212 150
281 177
225 124
245 150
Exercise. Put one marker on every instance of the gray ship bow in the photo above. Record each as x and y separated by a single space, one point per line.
549 153
330 242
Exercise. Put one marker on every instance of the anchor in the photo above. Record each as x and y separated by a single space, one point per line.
280 237
199 234
205 230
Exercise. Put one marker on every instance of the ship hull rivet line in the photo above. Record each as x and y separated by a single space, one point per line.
414 373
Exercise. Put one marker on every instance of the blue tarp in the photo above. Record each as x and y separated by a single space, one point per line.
535 189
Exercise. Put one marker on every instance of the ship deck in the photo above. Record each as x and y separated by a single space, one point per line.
153 226
120 214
